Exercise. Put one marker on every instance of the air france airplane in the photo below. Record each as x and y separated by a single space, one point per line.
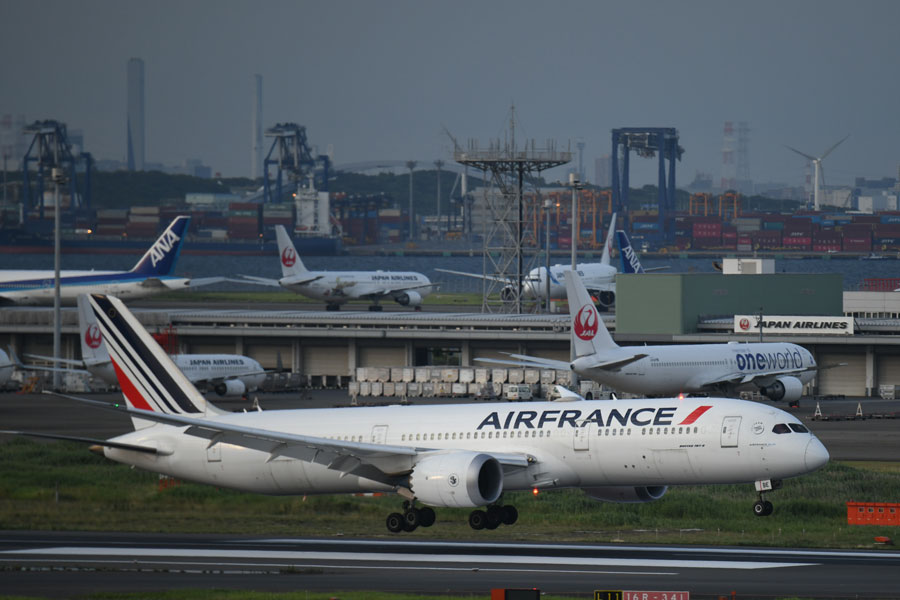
226 374
598 277
777 370
442 455
151 275
406 288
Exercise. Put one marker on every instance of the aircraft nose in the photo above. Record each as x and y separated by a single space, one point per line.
816 455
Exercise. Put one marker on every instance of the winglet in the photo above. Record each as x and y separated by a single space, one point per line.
160 259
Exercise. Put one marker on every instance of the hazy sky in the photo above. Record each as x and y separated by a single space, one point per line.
378 79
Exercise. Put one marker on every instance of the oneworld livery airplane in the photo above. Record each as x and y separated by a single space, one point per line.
464 455
151 275
226 374
777 370
406 288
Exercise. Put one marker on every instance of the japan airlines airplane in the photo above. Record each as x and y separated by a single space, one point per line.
151 275
226 374
777 370
464 455
406 288
598 277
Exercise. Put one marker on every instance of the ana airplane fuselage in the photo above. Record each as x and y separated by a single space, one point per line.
36 287
573 444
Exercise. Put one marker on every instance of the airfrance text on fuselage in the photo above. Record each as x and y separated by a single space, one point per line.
531 419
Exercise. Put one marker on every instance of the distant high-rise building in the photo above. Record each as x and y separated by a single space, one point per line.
135 117
256 134
603 171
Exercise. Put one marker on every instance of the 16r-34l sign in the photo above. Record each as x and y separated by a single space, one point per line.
639 595
793 325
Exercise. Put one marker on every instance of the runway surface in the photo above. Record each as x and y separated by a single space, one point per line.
61 565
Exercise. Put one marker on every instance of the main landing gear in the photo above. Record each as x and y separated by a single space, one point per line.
493 517
762 507
410 519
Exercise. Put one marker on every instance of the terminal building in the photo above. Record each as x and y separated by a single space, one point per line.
858 330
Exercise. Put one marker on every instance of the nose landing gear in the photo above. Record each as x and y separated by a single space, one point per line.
762 507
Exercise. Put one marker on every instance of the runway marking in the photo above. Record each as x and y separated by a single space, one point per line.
414 558
133 564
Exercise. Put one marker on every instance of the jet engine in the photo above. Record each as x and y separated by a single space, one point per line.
508 293
783 388
409 298
457 479
231 387
606 299
626 494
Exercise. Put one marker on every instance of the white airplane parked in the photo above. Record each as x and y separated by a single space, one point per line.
598 277
406 288
464 455
226 374
6 368
151 275
777 370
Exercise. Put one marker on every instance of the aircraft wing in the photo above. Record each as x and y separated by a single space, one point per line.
201 281
65 361
395 291
250 279
476 276
14 359
302 279
379 462
528 361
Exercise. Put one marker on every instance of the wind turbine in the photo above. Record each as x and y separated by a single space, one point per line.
818 172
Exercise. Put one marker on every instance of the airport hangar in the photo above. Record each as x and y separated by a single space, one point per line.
327 347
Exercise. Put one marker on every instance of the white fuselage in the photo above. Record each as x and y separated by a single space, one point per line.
37 287
673 369
594 275
338 287
573 444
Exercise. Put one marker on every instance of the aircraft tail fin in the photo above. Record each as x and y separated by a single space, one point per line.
630 261
160 259
287 253
589 333
607 246
93 350
148 377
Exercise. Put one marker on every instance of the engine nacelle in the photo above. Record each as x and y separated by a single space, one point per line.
457 479
626 494
409 298
606 299
230 387
783 388
508 293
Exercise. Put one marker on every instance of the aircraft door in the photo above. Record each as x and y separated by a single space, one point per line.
731 427
582 439
379 434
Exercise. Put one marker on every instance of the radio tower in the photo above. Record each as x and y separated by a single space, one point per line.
744 183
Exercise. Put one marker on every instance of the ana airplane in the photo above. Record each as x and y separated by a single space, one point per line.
440 455
599 278
406 288
226 374
777 370
151 275
630 261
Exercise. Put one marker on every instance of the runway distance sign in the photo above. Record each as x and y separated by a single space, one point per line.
638 595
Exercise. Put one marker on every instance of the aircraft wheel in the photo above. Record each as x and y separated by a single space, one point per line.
510 514
411 519
477 519
770 508
395 522
760 508
426 516
494 517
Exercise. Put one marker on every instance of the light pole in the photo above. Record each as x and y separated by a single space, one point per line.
547 204
58 176
439 163
411 164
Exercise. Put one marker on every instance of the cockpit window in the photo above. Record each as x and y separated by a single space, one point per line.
798 427
781 428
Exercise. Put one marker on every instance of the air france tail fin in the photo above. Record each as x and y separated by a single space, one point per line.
93 350
148 377
160 259
630 261
589 333
287 254
607 247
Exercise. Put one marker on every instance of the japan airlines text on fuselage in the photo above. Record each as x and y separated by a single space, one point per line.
151 275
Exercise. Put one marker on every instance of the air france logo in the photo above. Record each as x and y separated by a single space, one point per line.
288 257
92 336
744 324
161 248
586 322
453 480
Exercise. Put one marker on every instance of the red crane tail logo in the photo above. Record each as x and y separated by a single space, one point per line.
586 322
92 336
288 257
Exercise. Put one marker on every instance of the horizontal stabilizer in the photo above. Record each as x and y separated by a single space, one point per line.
201 281
615 365
72 438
